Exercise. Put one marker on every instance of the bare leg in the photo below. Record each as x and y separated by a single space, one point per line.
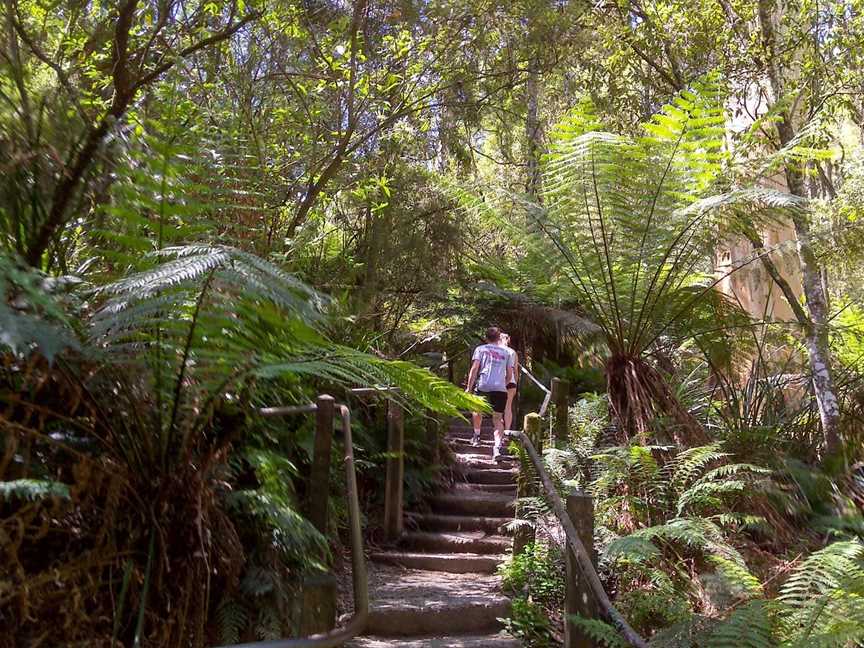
498 422
508 409
477 419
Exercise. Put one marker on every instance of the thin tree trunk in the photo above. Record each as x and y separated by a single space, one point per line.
532 131
814 283
816 337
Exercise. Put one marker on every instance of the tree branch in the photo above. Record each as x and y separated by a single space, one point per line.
218 37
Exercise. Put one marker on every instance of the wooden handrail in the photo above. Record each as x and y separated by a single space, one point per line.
583 558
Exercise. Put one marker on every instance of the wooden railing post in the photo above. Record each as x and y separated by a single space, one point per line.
395 472
318 596
525 486
579 600
319 477
560 398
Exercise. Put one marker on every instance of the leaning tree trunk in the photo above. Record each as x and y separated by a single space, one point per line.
816 323
816 336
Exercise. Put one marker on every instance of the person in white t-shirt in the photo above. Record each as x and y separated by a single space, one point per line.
491 372
504 341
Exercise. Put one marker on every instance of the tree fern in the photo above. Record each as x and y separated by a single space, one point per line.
622 230
224 317
176 183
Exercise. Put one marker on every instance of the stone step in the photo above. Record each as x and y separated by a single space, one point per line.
417 603
490 641
486 438
477 461
453 563
467 502
437 522
466 434
458 542
489 475
462 448
509 489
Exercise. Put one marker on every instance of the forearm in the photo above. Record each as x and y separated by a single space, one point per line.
472 376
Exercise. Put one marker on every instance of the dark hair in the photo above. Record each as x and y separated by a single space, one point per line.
492 334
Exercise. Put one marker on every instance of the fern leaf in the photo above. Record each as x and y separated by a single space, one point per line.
602 633
749 626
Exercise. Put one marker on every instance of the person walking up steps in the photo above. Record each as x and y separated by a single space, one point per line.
491 372
504 341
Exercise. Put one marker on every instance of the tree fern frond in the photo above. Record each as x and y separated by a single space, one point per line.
689 463
749 626
633 548
231 620
741 581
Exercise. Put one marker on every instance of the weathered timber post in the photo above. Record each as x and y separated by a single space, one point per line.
525 483
319 478
579 600
318 596
318 603
395 472
560 398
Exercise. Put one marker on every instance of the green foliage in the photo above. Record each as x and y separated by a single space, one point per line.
33 490
821 602
748 626
529 623
231 620
535 572
818 605
31 315
605 635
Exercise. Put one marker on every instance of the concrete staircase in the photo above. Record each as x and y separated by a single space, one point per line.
438 588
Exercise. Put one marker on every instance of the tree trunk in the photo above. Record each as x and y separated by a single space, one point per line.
816 336
813 280
532 131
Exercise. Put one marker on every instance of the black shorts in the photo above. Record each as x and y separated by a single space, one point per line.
498 400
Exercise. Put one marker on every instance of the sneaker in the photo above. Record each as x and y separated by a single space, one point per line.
496 452
475 440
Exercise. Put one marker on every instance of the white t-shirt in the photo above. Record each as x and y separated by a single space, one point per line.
494 362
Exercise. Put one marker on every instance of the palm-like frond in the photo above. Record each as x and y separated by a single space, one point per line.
614 211
211 318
